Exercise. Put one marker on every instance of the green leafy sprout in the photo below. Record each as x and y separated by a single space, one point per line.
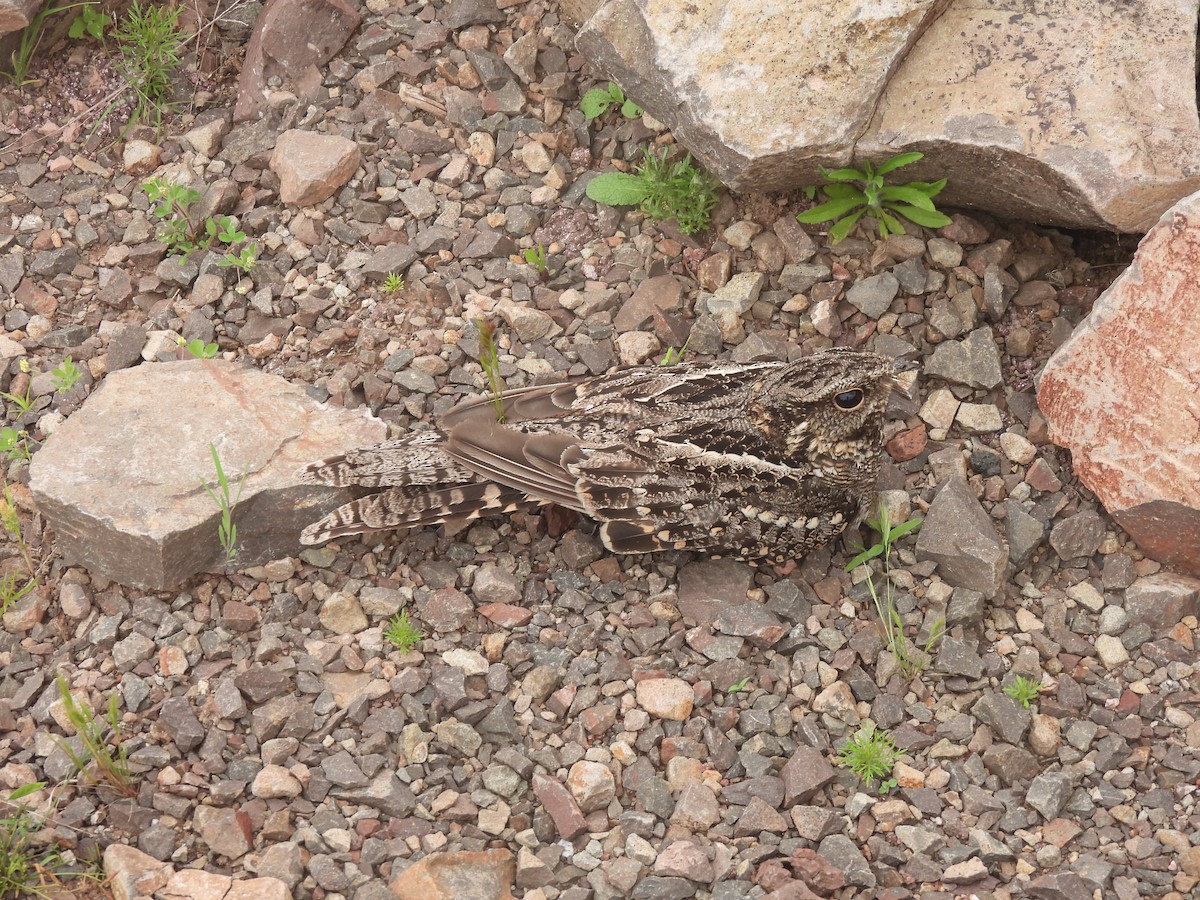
663 190
98 763
854 193
890 622
198 349
673 356
598 101
740 686
536 257
14 442
182 236
64 377
489 358
226 501
89 23
871 754
393 283
401 633
1023 690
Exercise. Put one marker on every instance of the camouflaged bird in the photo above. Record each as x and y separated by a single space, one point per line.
757 461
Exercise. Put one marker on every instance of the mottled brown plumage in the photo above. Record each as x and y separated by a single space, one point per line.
758 461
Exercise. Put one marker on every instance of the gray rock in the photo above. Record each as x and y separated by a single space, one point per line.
973 361
177 720
1003 715
1077 536
873 296
1162 600
959 536
805 773
738 294
799 277
1024 533
121 481
842 853
1048 793
958 657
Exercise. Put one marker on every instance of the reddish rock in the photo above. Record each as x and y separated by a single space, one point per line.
564 811
1123 393
662 292
311 167
291 39
464 875
907 444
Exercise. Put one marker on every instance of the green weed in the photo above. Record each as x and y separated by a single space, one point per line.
1023 690
64 377
871 754
89 23
401 633
26 870
854 193
11 523
150 43
12 590
536 257
489 358
673 356
740 686
183 236
226 501
14 442
98 762
199 349
598 101
393 283
885 604
662 190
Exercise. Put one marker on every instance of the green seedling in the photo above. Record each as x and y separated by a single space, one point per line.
662 190
64 377
673 356
243 261
871 754
393 283
89 23
226 501
98 763
401 633
740 686
598 101
536 257
1023 690
489 358
854 193
12 589
198 348
890 621
14 442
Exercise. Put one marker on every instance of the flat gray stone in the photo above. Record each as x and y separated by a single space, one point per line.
959 536
121 481
974 361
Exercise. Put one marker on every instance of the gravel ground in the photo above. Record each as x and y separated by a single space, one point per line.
658 727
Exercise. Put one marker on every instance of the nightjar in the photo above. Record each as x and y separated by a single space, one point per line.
760 460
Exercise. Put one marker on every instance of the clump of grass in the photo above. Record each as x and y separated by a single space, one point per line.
890 622
1023 690
393 283
401 633
26 870
854 193
663 190
673 356
489 358
103 760
150 45
226 501
871 754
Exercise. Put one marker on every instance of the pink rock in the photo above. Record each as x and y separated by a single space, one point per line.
1123 393
458 876
666 698
311 167
291 38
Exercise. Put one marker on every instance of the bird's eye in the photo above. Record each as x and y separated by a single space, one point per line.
849 400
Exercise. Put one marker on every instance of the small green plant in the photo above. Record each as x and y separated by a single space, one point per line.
97 762
536 257
401 633
1023 690
663 190
243 261
14 442
89 23
673 356
871 754
226 501
26 870
31 36
393 283
598 101
171 205
23 402
12 526
150 43
740 686
854 193
489 358
199 349
12 590
64 377
885 604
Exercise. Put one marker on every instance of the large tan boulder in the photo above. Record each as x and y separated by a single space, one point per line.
1046 112
1123 393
